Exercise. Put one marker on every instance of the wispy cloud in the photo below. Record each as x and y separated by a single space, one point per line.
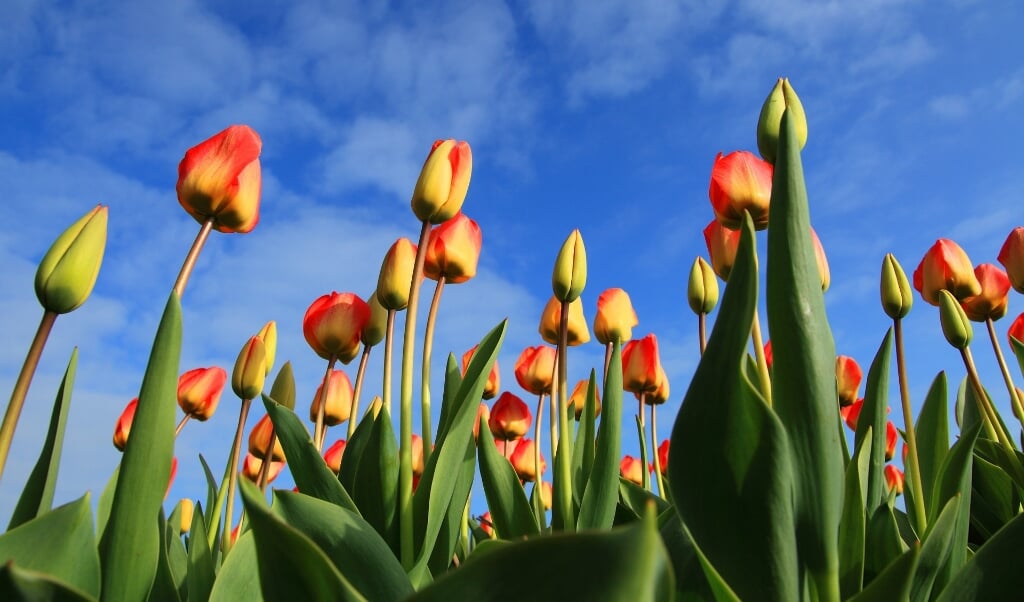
999 95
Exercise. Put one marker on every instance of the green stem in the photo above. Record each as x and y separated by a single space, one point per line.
645 475
268 458
762 361
563 462
702 331
428 347
536 452
389 339
231 474
654 446
994 428
193 255
553 413
357 391
908 420
181 425
1015 401
319 430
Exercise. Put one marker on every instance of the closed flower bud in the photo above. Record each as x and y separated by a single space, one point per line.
523 461
1016 331
632 469
124 424
334 454
897 298
615 317
482 413
702 289
252 466
199 391
740 182
822 260
377 327
570 274
187 509
68 271
510 417
395 278
1011 255
848 377
339 399
250 370
545 494
851 413
722 246
269 336
578 399
640 365
493 379
894 478
891 438
333 325
259 440
768 355
781 98
955 325
283 389
577 327
453 250
219 179
535 369
486 525
990 304
660 393
443 182
417 455
663 456
945 267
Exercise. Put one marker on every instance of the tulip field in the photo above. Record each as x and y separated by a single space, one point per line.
791 473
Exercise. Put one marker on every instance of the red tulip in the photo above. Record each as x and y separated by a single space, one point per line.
663 456
768 353
1011 255
632 469
848 377
259 439
577 326
482 412
535 369
522 460
124 424
219 179
486 525
891 437
851 413
252 466
1016 330
578 399
170 479
722 246
741 181
510 417
334 454
453 250
199 391
333 325
945 267
339 399
640 365
615 317
493 379
894 478
443 182
990 303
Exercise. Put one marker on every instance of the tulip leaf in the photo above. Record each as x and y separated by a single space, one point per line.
803 372
852 524
934 551
873 416
311 474
882 542
645 473
636 499
1018 350
994 572
994 499
37 496
894 582
583 448
130 546
510 510
449 535
683 554
17 583
377 476
211 494
452 382
238 578
932 431
353 455
729 460
165 583
106 500
597 508
61 544
350 542
953 479
201 565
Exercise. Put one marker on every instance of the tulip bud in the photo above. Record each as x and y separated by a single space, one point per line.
891 438
453 250
376 405
740 182
220 179
722 246
782 98
187 509
640 365
990 304
570 275
577 327
851 414
702 289
333 325
339 399
199 391
663 456
545 494
955 325
510 417
848 377
493 379
822 260
578 399
632 469
68 271
894 478
269 336
443 182
283 389
523 461
1011 255
945 267
252 466
768 356
482 413
1016 331
615 317
377 327
259 439
486 525
250 370
334 454
417 455
896 296
660 393
396 275
535 369
124 424
170 479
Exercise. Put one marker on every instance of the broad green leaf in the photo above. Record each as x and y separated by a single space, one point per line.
165 583
130 546
994 573
873 416
510 510
933 434
201 563
882 543
17 583
37 496
354 450
177 556
211 494
994 499
106 501
377 492
730 466
597 509
636 498
894 582
1009 463
683 554
803 372
450 533
853 524
934 551
954 478
61 544
239 578
583 448
452 382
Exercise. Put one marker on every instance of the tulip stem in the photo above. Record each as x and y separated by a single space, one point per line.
762 361
607 361
405 424
181 425
563 461
319 430
913 461
991 418
268 459
428 347
363 360
702 331
553 412
645 475
231 474
536 454
1015 401
193 255
28 370
654 446
389 338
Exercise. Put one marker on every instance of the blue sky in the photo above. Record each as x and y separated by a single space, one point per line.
604 115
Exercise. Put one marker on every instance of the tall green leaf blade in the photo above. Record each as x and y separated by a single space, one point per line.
130 546
201 565
803 372
729 463
894 582
853 522
994 573
994 499
510 510
882 542
583 448
954 479
684 556
873 416
165 583
377 493
450 534
452 382
932 431
597 508
934 551
239 578
211 494
17 583
353 455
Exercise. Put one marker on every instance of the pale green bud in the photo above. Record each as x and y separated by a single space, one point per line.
955 325
702 290
781 98
68 271
570 274
897 296
250 369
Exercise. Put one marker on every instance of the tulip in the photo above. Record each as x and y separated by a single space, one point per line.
578 399
894 478
1011 255
453 250
895 288
486 525
250 371
334 454
417 455
702 288
663 456
782 98
252 466
570 274
891 437
740 182
848 377
124 424
510 417
615 317
395 278
722 246
268 334
482 413
851 413
259 440
577 327
545 494
990 304
632 469
377 326
822 260
187 509
523 461
535 369
68 272
443 182
660 393
199 391
504 447
768 353
493 379
219 179
640 365
333 325
339 399
945 267
1016 331
955 325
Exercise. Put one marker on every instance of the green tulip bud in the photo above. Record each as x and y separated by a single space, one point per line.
570 275
268 334
69 269
250 369
781 98
702 290
897 297
955 324
283 389
375 330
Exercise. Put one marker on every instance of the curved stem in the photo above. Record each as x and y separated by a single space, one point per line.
181 425
908 421
352 417
992 425
654 446
762 361
319 430
563 462
28 370
702 331
193 255
428 347
389 340
232 476
1015 401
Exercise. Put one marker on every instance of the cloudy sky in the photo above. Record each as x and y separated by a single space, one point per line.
604 115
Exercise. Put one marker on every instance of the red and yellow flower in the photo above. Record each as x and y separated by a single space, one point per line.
333 325
220 179
741 182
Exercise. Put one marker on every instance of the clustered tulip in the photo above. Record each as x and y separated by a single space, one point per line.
663 456
1011 255
578 399
453 250
493 378
187 509
250 371
219 179
702 287
722 245
199 391
632 469
895 289
741 182
782 98
570 273
615 317
535 369
443 182
945 267
1016 330
578 333
334 455
268 334
252 466
848 377
259 440
333 325
124 424
510 417
894 478
376 328
991 302
641 365
396 275
522 459
339 399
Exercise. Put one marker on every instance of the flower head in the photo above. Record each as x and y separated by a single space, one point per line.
894 478
443 182
577 327
493 379
453 250
339 399
510 417
945 267
67 273
578 399
632 469
741 182
848 377
570 274
722 246
641 365
250 371
333 325
615 317
219 179
124 424
1011 255
259 440
334 455
990 303
535 369
523 460
199 391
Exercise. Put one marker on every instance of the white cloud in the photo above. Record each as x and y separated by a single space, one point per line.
999 95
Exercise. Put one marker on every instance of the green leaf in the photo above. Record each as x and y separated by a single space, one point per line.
803 372
636 498
853 524
510 510
201 563
37 496
645 475
165 583
729 460
377 492
934 551
211 495
239 578
994 499
1018 350
933 434
683 554
106 500
583 448
994 573
450 533
17 583
452 382
954 478
61 544
873 416
882 542
597 508
354 450
894 582
130 546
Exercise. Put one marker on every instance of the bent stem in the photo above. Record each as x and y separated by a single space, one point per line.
908 420
654 446
358 389
319 431
762 361
231 475
1015 401
28 370
193 255
563 463
428 347
181 425
389 339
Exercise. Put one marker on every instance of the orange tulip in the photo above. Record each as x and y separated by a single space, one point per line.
640 365
482 412
535 369
199 391
615 317
663 456
1011 255
486 525
259 439
510 417
453 250
990 304
522 460
848 377
124 424
252 466
722 246
660 393
339 400
578 399
219 179
822 260
1016 330
393 284
632 469
891 437
250 371
578 332
894 478
851 413
741 182
493 379
333 325
945 267
334 454
443 182
417 455
545 494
